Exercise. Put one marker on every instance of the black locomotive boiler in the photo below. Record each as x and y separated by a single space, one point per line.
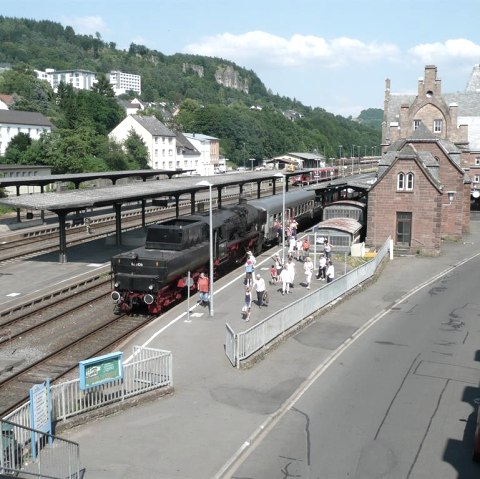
153 276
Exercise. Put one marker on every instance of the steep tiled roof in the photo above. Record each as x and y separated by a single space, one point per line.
153 126
473 84
15 117
182 142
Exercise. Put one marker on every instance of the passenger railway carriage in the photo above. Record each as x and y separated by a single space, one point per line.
315 176
301 204
153 276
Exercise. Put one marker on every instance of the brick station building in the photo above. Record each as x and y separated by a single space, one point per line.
430 145
421 195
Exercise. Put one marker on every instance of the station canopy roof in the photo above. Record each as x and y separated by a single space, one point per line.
104 196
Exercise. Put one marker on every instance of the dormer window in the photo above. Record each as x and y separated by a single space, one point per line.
437 126
401 181
416 124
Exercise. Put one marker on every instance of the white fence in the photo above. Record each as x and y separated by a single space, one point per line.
151 369
240 346
54 458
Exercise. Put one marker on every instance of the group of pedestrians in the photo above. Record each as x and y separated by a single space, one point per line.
280 273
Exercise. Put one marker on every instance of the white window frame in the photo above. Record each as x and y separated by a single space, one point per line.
400 181
437 126
410 177
416 124
477 161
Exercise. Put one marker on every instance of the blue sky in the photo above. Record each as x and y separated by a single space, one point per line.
327 53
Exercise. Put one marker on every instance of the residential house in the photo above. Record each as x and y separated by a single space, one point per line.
160 141
6 102
24 171
13 122
188 157
209 148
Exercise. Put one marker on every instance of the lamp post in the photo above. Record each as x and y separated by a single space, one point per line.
207 183
243 155
251 161
284 179
340 157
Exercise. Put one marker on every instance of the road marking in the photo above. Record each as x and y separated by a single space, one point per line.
263 430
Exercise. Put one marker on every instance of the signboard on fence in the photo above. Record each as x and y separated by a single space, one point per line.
101 370
40 411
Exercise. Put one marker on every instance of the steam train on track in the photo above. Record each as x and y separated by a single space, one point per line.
153 276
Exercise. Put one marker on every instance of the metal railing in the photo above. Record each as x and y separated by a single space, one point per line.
151 369
34 453
240 346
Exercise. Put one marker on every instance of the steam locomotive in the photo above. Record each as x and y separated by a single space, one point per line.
153 276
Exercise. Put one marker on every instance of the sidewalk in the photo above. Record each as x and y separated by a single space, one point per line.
215 408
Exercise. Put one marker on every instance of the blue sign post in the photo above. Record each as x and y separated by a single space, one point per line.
40 412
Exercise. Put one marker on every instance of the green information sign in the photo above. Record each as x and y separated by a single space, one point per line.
100 370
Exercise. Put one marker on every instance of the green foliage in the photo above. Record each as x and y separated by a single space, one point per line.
137 151
372 117
84 118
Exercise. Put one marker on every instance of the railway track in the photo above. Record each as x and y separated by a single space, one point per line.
38 242
49 343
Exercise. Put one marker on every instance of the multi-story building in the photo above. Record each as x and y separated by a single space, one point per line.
122 82
79 79
170 150
159 140
13 122
209 148
430 142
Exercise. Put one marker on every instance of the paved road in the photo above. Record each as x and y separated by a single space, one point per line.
217 412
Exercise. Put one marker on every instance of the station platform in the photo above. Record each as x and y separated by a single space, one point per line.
216 409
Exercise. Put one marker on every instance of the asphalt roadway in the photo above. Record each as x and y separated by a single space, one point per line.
217 413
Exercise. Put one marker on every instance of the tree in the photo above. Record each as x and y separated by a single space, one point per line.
103 87
137 151
15 151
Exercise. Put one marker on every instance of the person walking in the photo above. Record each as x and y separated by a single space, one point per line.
249 269
330 272
292 246
285 278
322 266
203 286
305 247
249 253
290 266
278 264
299 250
327 249
308 269
259 285
273 275
247 306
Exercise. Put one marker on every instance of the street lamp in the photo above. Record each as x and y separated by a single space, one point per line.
284 179
340 157
207 183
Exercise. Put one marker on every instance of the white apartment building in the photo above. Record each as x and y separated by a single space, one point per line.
13 122
122 82
209 148
79 79
159 140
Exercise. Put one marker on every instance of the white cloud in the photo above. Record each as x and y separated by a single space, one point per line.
455 50
263 48
87 25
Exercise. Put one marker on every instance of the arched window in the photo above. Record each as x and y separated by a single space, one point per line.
401 181
409 186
